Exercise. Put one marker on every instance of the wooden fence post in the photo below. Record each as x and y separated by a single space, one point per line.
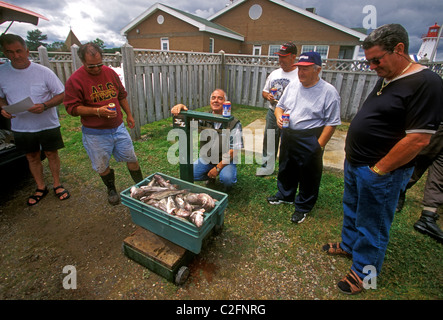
222 70
76 63
128 71
43 56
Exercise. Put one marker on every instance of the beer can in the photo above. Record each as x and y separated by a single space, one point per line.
285 120
111 107
227 109
274 91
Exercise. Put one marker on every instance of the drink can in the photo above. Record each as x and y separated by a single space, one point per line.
227 109
111 107
285 120
274 91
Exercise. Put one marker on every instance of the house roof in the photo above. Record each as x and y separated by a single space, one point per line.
198 22
72 39
359 35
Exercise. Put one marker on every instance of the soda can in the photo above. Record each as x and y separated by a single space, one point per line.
111 107
227 109
285 120
274 91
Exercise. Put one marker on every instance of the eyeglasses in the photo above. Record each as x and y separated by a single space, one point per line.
92 66
376 61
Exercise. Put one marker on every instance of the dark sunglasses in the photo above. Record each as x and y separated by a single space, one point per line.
376 61
92 66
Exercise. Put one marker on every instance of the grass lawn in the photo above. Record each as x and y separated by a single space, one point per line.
265 237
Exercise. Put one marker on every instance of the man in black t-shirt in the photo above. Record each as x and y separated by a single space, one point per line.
394 124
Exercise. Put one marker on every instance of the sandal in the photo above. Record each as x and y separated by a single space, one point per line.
61 193
351 283
37 198
335 249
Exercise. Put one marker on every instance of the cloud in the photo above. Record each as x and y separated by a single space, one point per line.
91 19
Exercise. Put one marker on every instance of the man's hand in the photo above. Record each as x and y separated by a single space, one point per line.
212 174
177 108
37 108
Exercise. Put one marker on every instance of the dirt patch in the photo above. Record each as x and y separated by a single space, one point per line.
87 233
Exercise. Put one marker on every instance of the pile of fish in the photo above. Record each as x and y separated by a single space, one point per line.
182 203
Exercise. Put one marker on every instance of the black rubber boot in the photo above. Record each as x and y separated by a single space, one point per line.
427 224
109 181
136 175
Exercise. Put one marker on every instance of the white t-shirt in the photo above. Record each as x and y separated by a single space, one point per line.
37 82
312 107
280 80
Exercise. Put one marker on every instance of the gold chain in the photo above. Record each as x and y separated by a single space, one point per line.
385 83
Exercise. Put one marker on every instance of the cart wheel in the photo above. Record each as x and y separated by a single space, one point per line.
182 275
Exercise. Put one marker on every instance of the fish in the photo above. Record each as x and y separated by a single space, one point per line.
162 182
181 203
167 193
139 192
207 201
183 213
170 205
202 200
197 218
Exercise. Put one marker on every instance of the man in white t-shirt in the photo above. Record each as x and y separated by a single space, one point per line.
38 128
278 80
313 106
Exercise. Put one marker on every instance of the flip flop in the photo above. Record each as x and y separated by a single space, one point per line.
61 193
37 198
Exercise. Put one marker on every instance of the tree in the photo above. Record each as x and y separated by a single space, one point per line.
57 46
100 43
34 39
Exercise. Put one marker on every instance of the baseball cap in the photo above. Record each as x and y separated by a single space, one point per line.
287 49
309 58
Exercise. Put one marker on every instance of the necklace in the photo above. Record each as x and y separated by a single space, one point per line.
385 83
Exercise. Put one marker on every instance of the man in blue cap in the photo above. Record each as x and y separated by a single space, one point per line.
313 106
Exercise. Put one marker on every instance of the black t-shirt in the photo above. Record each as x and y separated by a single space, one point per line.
413 103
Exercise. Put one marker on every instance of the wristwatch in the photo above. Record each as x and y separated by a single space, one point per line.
217 168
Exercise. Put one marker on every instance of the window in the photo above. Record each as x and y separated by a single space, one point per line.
211 45
164 43
273 49
323 50
256 50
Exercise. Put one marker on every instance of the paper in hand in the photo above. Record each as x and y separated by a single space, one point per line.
20 106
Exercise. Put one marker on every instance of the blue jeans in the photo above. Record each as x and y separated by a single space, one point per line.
227 175
369 204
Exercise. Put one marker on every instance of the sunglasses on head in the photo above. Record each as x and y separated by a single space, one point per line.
92 66
376 61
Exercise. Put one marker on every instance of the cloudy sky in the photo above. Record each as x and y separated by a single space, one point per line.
91 19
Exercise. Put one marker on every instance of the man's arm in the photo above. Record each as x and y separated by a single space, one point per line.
54 101
403 152
326 135
278 113
124 104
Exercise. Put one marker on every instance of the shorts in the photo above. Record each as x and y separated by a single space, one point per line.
46 140
109 142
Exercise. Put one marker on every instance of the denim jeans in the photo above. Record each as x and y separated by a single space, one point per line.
101 144
227 175
369 204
